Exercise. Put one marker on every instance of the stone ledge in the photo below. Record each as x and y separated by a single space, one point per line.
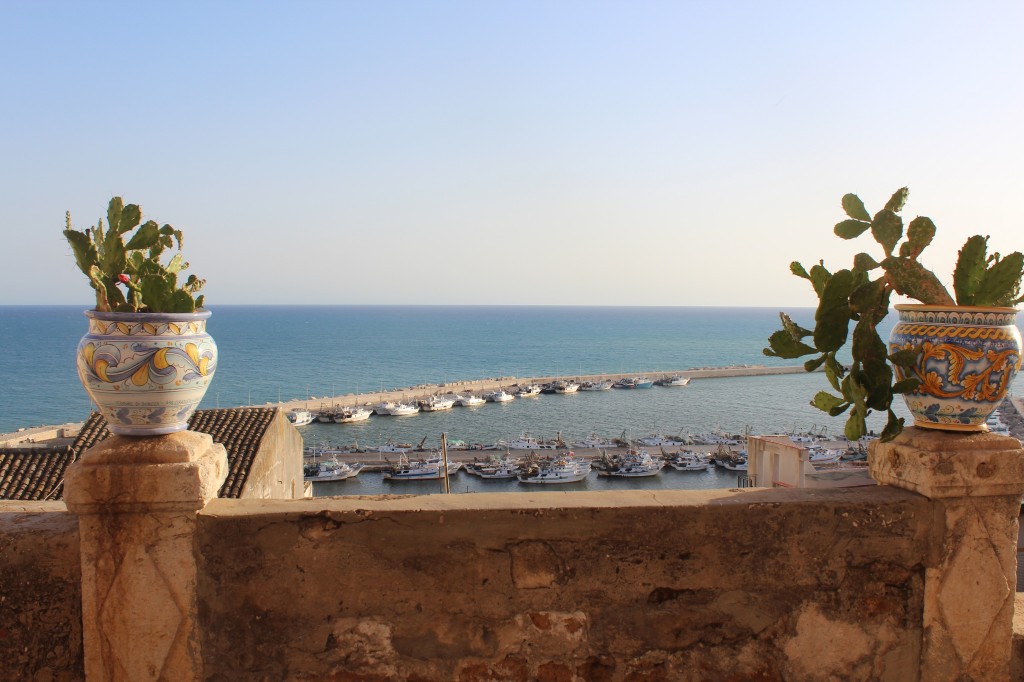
122 475
939 464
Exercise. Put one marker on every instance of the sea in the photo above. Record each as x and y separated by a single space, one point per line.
281 353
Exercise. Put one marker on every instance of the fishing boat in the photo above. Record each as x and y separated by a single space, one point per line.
531 391
348 415
384 408
688 461
331 470
499 396
495 467
564 469
674 380
528 442
404 410
593 441
817 455
300 417
596 385
436 403
469 400
631 464
393 447
633 382
419 469
565 387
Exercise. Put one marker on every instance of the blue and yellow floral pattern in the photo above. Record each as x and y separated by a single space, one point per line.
146 372
967 360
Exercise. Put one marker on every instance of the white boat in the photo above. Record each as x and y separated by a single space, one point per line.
565 469
737 464
596 385
821 456
384 408
674 380
495 467
419 469
398 448
300 417
631 464
566 387
499 396
436 403
469 400
331 470
404 410
688 461
593 441
528 442
531 391
348 415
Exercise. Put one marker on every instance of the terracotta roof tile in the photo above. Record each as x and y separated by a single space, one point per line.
40 475
34 475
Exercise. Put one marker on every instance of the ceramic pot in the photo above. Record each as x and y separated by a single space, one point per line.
146 372
969 358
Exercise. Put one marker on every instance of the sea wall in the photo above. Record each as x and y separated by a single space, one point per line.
666 585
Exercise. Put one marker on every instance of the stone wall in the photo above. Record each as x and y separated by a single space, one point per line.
665 585
40 593
276 471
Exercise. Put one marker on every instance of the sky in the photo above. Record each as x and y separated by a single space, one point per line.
560 152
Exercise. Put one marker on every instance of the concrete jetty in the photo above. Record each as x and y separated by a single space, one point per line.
480 386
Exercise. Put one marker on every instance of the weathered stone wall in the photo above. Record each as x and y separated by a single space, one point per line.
276 470
40 593
665 585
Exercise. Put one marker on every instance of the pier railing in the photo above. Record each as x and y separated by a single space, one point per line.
156 579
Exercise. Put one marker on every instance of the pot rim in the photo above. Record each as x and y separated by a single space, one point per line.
968 308
200 314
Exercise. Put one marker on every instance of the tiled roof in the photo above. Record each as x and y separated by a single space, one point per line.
34 475
40 475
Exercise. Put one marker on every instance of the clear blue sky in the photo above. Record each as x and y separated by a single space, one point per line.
637 153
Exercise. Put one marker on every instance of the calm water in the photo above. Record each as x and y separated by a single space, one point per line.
271 353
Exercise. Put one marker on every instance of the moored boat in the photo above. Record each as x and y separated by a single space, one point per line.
564 469
596 385
631 464
593 441
499 396
566 387
348 415
688 461
300 417
404 410
531 391
331 470
469 400
436 403
674 380
419 469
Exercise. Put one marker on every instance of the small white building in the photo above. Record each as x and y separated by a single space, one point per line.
778 462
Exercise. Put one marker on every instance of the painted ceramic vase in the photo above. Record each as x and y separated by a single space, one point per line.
146 372
969 358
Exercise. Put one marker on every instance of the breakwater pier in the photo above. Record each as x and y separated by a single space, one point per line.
479 386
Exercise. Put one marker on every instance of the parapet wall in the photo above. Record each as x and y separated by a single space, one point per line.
40 593
665 585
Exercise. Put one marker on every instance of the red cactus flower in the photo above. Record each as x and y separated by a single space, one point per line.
123 279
